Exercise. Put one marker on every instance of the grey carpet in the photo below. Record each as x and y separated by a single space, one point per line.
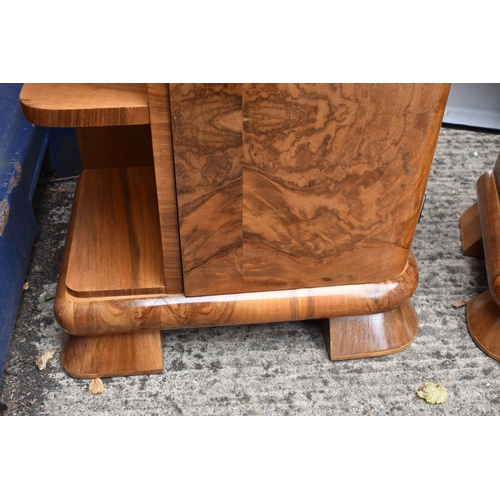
281 369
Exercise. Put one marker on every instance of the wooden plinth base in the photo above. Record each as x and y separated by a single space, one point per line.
371 335
483 320
131 353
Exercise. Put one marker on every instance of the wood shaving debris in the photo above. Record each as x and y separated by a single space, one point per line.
431 367
459 303
26 285
42 360
96 386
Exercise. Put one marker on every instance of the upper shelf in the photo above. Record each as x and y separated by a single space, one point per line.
85 104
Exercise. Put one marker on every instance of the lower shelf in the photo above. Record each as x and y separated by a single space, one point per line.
114 330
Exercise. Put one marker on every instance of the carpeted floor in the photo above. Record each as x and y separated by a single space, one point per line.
280 369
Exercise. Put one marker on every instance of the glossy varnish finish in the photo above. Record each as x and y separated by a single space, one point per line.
85 105
131 353
483 312
207 128
370 335
300 185
116 246
159 113
285 202
483 320
97 315
489 214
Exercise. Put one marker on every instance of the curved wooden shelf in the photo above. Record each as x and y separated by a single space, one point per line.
116 247
85 105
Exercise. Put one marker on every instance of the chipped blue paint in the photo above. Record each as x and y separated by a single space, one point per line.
22 149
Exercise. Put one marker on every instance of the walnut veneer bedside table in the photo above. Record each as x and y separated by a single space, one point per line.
219 204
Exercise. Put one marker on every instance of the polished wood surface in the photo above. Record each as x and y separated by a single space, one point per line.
161 131
208 166
483 312
483 320
116 246
103 315
131 353
288 186
370 335
112 312
225 204
470 232
489 214
85 105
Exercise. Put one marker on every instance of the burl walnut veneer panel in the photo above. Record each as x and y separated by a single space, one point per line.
208 158
284 186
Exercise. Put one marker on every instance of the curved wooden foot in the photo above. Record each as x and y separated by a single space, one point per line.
131 353
483 320
371 335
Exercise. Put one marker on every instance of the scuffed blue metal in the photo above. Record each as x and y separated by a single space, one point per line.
22 149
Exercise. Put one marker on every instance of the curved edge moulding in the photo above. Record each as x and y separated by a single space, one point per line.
120 314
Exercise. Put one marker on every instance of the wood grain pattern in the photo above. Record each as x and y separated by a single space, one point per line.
206 123
115 147
331 180
470 232
131 353
116 248
295 202
481 224
85 105
105 315
483 320
371 335
334 179
159 112
489 214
